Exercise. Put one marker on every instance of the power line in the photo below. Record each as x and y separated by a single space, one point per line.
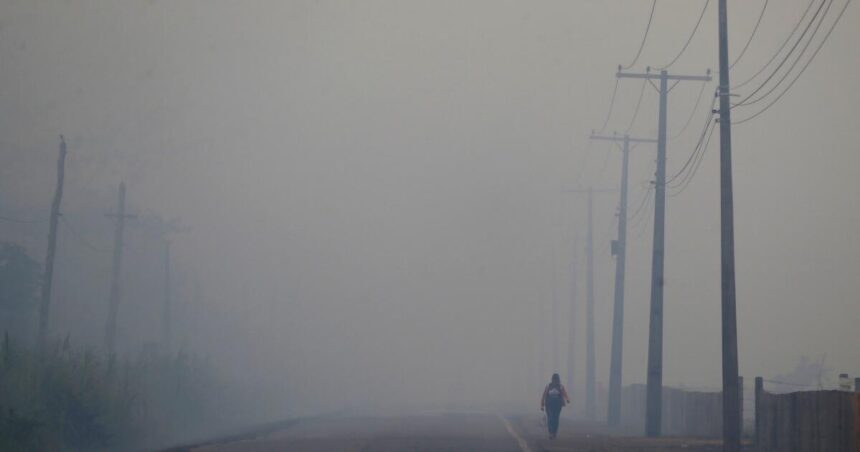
778 51
644 37
802 70
692 173
603 165
690 38
611 106
642 203
639 231
752 35
698 143
640 225
585 160
794 64
80 237
787 55
703 146
22 221
638 104
692 112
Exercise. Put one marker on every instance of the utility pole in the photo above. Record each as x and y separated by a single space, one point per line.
654 400
166 309
45 303
590 397
554 327
113 300
619 249
541 339
163 229
731 390
571 336
590 365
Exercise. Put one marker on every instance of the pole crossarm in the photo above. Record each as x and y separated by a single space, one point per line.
659 75
622 138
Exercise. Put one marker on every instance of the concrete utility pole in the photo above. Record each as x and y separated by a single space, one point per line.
653 410
45 304
731 390
113 300
620 251
590 377
542 339
590 364
166 308
554 361
571 332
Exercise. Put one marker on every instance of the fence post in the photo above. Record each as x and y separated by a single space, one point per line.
857 417
741 405
759 413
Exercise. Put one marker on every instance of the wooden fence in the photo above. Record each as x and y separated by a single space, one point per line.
807 421
685 413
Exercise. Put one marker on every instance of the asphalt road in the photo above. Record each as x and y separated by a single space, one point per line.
447 432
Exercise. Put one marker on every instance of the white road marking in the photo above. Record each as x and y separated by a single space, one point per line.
523 445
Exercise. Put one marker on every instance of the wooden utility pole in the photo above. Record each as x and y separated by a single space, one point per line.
113 300
731 390
619 249
653 404
163 230
44 305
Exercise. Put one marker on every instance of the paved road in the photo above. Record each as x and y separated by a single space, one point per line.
449 433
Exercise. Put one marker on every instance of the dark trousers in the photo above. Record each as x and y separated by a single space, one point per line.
553 411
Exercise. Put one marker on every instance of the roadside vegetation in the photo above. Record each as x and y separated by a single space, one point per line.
75 398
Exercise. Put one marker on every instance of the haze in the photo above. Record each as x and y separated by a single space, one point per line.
379 198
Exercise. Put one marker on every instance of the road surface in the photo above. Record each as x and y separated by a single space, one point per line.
445 432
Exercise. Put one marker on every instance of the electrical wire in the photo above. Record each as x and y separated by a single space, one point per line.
787 55
604 164
638 104
698 143
802 70
18 220
778 51
695 157
641 204
796 60
692 112
81 238
644 37
641 224
585 160
752 35
692 173
690 38
611 106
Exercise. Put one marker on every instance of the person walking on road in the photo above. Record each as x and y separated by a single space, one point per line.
554 398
